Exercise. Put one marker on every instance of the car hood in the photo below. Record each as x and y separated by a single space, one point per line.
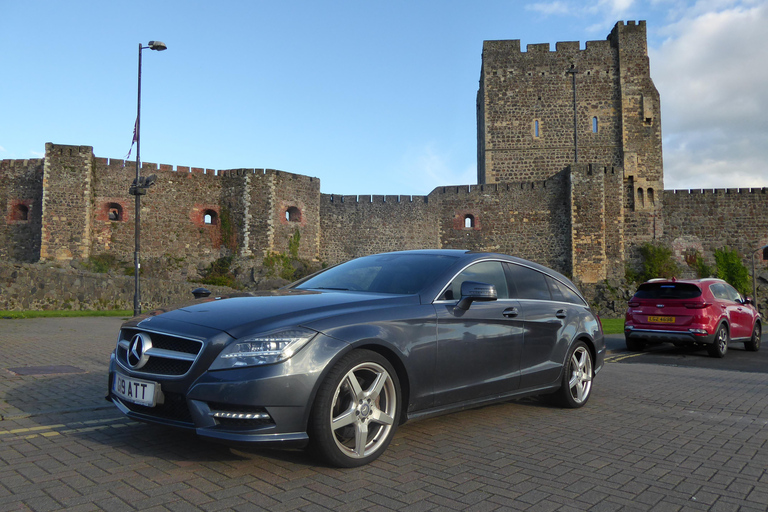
244 315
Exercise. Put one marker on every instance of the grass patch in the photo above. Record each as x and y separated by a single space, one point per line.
12 315
613 325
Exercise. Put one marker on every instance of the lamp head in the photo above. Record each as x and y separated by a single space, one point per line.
157 45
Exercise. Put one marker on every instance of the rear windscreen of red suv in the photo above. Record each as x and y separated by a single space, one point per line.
668 291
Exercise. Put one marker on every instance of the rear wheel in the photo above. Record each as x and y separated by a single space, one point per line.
720 346
356 411
753 345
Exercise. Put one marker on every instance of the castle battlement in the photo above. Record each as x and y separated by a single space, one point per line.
717 191
331 199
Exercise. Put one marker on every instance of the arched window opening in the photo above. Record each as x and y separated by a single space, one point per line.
293 214
20 212
210 217
594 124
115 212
469 221
640 198
650 197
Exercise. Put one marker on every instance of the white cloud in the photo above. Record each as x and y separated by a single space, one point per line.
712 76
431 169
550 8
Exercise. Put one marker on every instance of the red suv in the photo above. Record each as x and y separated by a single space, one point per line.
706 312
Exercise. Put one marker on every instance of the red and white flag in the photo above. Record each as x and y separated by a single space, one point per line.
135 129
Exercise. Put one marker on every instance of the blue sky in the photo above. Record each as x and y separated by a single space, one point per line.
370 97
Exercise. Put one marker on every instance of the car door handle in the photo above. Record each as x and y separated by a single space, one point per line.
561 314
510 312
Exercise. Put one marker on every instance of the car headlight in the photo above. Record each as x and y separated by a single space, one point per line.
268 348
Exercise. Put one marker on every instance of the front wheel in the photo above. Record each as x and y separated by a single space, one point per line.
356 411
720 346
753 345
577 377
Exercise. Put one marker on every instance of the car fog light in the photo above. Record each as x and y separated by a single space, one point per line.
701 332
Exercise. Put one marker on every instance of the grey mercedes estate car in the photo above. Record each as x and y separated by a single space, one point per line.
339 359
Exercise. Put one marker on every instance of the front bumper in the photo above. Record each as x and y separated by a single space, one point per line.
267 404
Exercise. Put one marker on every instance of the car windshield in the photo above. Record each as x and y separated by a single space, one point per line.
668 291
382 273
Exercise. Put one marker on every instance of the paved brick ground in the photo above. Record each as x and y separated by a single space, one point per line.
651 438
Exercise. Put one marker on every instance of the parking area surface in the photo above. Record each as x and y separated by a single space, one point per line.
651 438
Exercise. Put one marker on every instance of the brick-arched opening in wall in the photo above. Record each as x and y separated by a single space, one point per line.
469 221
640 198
20 212
210 218
115 212
293 214
649 195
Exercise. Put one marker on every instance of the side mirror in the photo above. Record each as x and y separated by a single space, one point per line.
748 300
473 291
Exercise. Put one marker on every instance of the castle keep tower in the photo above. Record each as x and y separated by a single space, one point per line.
525 110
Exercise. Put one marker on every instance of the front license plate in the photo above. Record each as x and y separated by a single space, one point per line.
661 319
140 392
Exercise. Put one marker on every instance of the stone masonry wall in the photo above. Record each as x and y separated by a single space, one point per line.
707 220
21 196
525 105
528 219
352 226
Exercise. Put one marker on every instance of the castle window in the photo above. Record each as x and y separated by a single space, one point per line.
210 218
536 131
20 212
640 198
114 212
293 214
650 197
469 221
594 124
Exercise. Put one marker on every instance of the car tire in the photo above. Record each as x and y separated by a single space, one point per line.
720 346
576 385
634 345
753 345
356 411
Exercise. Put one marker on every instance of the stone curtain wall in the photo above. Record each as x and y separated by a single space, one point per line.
707 220
172 212
352 226
21 189
526 219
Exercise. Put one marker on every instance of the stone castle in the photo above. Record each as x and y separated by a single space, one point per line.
570 175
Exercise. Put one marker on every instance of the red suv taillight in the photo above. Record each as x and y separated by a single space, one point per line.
697 305
633 304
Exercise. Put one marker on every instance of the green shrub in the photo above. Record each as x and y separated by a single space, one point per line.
731 269
697 263
102 263
657 262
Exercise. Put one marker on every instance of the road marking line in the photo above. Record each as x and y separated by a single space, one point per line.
55 430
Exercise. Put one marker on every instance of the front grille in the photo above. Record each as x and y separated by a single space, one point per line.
170 355
174 408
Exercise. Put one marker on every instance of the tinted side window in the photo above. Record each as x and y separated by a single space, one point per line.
718 290
731 293
560 292
526 283
488 272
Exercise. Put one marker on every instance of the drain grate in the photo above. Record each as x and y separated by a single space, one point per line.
45 370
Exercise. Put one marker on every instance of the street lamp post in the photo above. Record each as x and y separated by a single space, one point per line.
140 185
754 276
